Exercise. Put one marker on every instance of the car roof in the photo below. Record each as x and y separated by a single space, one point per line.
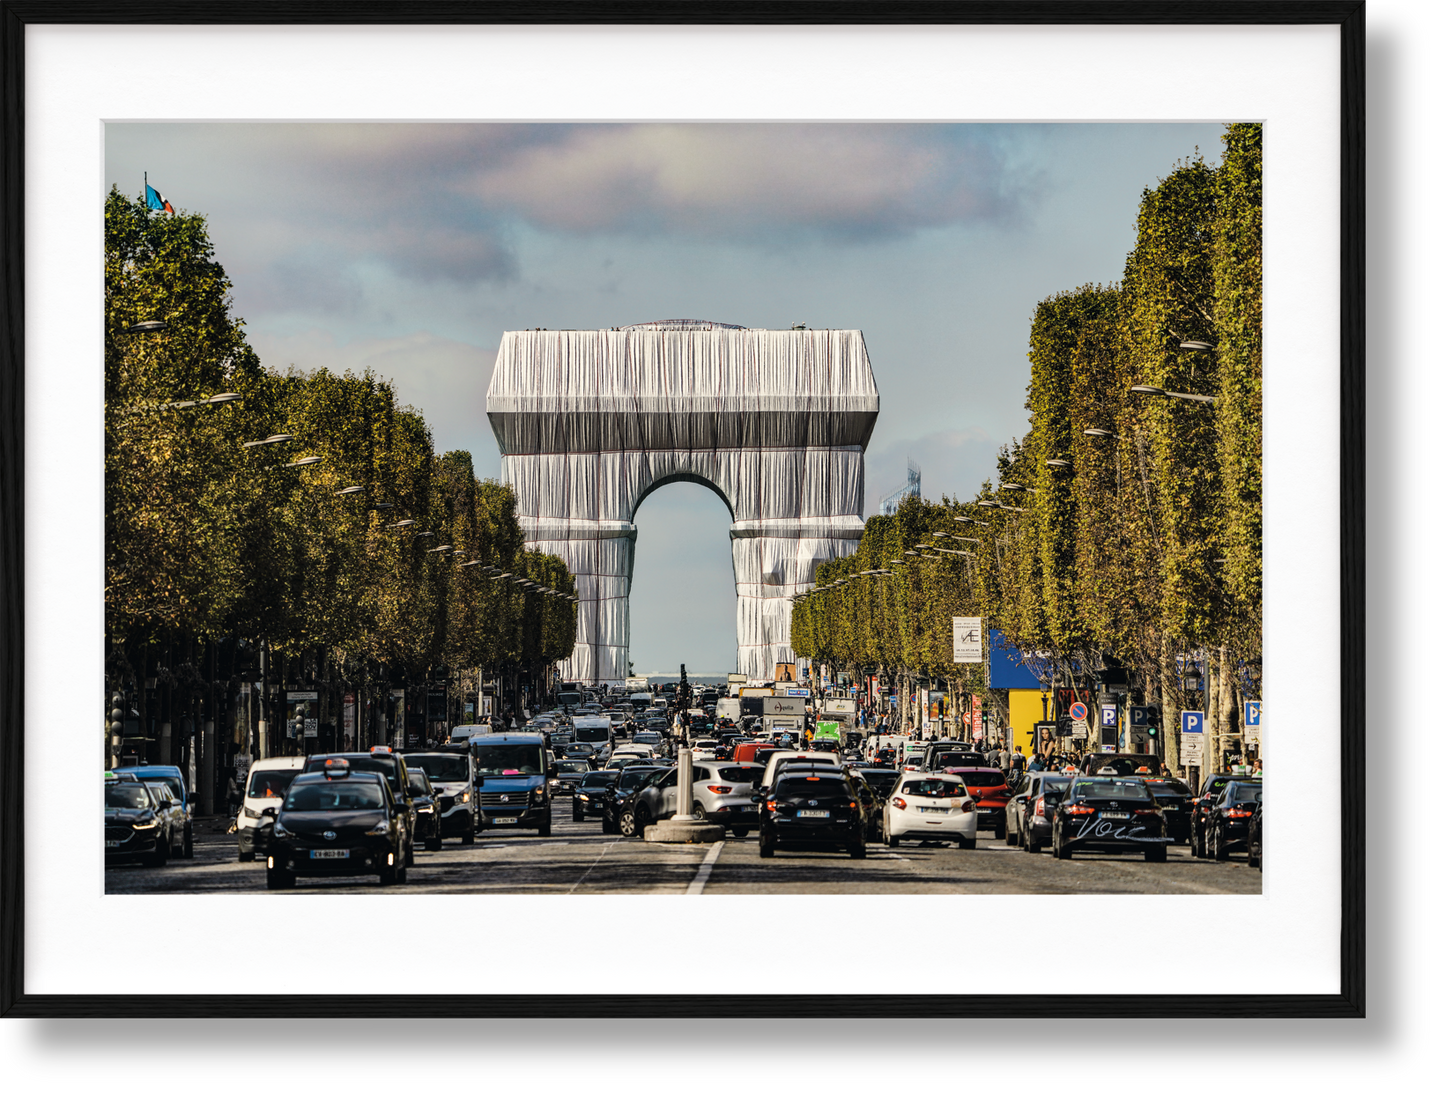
321 777
159 769
937 775
277 764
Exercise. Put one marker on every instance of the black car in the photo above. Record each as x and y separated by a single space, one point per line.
590 794
392 768
1209 789
1177 801
338 821
1109 813
426 802
614 801
142 822
871 803
1256 837
569 775
812 811
1029 815
1226 827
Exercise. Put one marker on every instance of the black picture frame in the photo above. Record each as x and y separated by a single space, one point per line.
1379 1039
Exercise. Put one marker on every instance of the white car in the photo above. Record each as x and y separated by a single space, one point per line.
636 749
266 784
829 759
930 807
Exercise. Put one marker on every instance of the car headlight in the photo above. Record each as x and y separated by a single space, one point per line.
584 798
280 830
250 812
381 828
142 826
466 796
541 793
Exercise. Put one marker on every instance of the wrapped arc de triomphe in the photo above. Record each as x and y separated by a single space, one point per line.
775 422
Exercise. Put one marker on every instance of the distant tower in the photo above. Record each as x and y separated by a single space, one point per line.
911 489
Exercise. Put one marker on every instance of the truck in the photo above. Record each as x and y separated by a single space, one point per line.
729 707
596 732
635 684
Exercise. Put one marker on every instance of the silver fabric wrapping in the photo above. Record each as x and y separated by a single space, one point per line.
775 422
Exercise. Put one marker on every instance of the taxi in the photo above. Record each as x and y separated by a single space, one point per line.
338 821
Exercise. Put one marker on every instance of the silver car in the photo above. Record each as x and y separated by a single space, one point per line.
722 793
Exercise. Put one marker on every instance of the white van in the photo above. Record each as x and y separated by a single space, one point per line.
596 732
266 784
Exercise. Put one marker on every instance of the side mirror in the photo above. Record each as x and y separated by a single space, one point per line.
269 811
757 798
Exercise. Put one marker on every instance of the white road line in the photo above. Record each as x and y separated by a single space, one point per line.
605 849
700 879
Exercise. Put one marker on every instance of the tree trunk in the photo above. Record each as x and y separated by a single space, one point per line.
1169 716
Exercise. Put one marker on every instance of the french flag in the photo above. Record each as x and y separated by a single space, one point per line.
156 200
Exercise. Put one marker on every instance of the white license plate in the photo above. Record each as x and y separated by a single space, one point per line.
933 809
812 813
330 853
504 821
113 843
748 809
1115 816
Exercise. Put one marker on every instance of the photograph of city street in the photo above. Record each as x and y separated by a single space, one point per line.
690 508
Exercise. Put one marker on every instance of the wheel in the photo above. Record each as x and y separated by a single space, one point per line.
765 848
740 831
410 852
434 843
627 823
388 876
858 851
576 813
698 813
1194 849
188 850
1026 838
1000 832
469 836
968 843
246 857
1156 855
545 829
1058 847
1220 847
278 879
162 853
1252 856
1010 837
401 874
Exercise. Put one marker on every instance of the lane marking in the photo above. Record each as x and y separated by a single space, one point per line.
700 879
605 849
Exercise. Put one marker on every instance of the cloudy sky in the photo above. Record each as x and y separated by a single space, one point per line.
408 249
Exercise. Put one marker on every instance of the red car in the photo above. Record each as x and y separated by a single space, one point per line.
990 792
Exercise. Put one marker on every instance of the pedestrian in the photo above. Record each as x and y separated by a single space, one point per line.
1258 769
1036 763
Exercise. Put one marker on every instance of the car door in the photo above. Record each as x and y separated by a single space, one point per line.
666 794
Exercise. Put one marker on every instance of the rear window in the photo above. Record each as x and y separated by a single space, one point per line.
880 780
336 795
812 785
572 766
1110 788
935 788
1169 787
956 760
442 768
598 780
632 778
127 796
270 784
982 779
740 775
1247 792
384 766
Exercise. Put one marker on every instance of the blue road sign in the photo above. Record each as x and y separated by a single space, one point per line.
1191 722
1110 714
1138 716
1078 711
1253 711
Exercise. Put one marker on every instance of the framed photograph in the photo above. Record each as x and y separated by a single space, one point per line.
387 199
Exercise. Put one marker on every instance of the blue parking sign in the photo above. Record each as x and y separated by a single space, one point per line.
1111 714
1191 722
1253 710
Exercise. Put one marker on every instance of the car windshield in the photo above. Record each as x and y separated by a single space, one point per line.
416 782
508 760
442 768
881 779
173 782
647 737
633 778
982 779
956 760
1247 792
597 780
1124 766
572 766
271 784
383 766
812 785
592 733
935 788
1110 788
127 796
335 795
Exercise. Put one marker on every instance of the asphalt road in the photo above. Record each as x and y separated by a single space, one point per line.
577 858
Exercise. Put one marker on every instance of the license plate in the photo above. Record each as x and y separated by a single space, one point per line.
504 821
330 853
933 809
812 813
112 843
1115 816
747 809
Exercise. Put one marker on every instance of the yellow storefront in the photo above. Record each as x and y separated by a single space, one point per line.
1025 707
